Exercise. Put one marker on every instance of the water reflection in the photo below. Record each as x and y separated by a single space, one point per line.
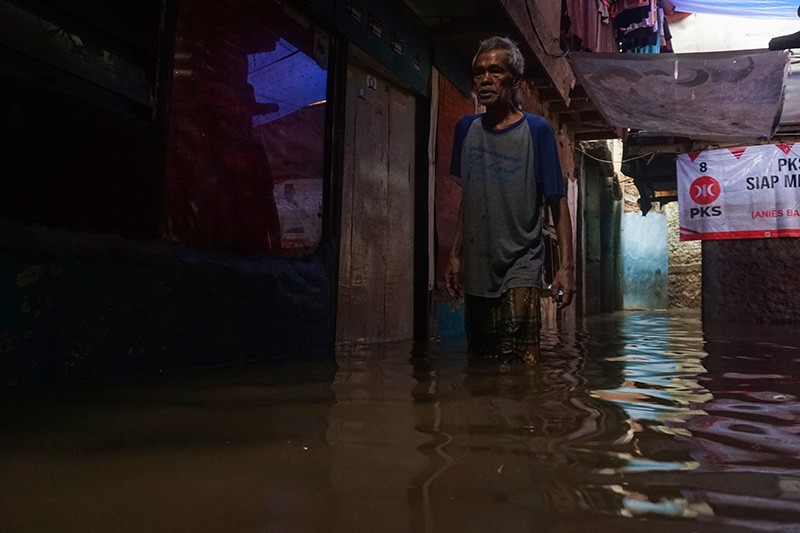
634 421
623 419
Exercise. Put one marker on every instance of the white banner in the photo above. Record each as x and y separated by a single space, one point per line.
750 192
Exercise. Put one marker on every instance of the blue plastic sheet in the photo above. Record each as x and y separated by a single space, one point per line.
747 8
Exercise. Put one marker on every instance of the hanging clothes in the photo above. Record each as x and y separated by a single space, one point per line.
637 17
603 10
640 25
668 8
619 6
588 26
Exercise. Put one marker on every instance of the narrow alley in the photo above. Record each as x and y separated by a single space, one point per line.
243 243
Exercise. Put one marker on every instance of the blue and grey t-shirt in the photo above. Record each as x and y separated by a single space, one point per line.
505 176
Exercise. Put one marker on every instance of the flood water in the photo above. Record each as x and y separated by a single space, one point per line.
637 421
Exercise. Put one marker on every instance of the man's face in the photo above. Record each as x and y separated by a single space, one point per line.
491 78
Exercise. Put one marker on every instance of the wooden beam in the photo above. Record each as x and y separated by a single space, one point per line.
543 83
575 106
579 92
586 118
533 27
668 186
596 136
661 147
586 131
666 192
549 94
578 128
786 135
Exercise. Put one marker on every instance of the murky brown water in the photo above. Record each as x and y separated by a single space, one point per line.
637 422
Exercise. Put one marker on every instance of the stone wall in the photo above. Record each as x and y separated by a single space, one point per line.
685 262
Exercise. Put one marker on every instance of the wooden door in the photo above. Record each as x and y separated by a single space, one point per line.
376 260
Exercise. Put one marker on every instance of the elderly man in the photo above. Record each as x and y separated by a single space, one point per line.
509 167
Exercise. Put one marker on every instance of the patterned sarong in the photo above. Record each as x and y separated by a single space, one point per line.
505 328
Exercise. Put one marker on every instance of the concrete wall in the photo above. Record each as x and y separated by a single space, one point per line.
751 281
645 283
600 217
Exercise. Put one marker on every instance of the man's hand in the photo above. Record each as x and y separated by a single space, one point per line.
452 277
564 280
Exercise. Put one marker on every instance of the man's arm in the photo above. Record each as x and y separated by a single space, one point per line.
564 279
452 275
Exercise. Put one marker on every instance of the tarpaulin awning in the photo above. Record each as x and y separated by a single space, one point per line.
746 8
715 96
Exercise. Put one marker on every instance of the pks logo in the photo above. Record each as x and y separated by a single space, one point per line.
705 190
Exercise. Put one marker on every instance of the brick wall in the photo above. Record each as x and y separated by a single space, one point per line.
452 106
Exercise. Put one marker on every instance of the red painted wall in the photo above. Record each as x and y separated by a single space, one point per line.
452 106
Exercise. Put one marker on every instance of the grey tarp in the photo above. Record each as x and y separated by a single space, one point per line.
716 96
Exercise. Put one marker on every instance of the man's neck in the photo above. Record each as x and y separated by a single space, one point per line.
502 116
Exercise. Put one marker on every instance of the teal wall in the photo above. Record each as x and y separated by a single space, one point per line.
599 237
645 264
418 54
372 26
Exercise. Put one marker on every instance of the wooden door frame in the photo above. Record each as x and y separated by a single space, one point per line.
345 53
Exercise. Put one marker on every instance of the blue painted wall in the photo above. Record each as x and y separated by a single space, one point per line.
447 317
645 275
